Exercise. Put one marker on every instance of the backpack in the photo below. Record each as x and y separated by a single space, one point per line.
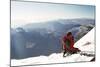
68 43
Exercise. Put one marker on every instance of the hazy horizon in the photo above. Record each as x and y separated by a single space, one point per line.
33 12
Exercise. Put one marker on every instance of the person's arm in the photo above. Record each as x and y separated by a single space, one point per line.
72 42
62 44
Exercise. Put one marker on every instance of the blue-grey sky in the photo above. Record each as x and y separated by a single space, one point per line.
32 12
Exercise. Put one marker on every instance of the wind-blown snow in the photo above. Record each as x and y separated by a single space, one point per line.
86 43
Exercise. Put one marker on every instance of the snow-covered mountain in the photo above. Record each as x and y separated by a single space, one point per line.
35 39
86 43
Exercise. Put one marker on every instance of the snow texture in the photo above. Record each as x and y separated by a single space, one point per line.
86 43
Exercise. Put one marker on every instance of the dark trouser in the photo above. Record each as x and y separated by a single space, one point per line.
64 53
70 51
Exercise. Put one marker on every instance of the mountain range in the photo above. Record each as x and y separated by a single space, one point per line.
35 39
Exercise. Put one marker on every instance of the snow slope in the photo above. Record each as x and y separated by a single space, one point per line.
86 43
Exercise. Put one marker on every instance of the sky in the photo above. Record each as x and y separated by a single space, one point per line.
34 12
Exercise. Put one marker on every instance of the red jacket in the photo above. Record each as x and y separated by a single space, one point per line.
71 39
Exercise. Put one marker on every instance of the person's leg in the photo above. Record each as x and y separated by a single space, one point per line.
77 50
74 50
64 53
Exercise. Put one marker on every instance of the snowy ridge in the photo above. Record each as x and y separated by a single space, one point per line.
86 43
